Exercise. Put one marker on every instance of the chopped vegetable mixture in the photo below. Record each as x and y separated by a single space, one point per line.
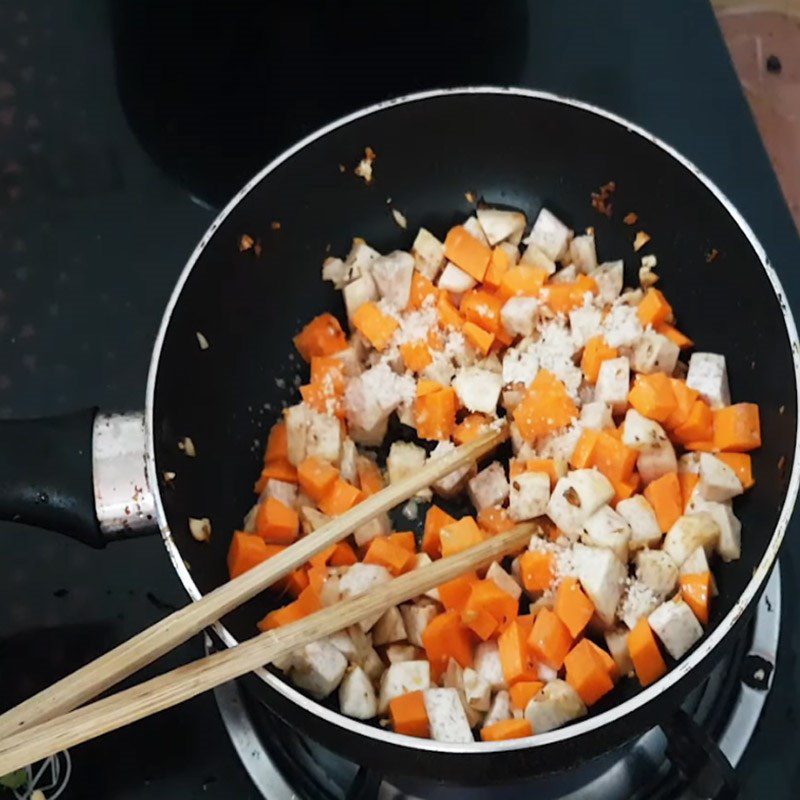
628 456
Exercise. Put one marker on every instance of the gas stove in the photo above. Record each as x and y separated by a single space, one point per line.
726 709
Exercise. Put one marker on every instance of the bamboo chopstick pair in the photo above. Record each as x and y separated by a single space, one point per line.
46 723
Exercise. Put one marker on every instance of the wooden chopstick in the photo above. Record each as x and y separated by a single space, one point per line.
172 688
125 659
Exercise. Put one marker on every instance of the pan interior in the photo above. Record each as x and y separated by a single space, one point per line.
506 149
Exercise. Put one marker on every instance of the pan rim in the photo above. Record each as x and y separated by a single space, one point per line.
683 668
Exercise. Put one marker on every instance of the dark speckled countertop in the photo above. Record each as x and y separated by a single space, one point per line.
115 146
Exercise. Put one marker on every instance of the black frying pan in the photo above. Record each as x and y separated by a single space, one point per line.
513 147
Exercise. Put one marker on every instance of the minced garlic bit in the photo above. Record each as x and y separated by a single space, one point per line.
187 445
649 261
647 277
640 241
246 242
631 218
200 528
410 510
169 477
342 168
469 197
201 340
364 168
399 218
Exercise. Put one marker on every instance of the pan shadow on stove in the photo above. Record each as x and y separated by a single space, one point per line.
214 92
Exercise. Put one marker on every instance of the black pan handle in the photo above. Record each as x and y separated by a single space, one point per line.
699 760
82 474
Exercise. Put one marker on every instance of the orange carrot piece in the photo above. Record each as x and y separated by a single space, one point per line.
409 716
652 396
370 479
278 470
480 622
435 520
435 413
246 551
343 555
546 407
612 458
737 428
323 336
515 656
481 308
741 464
494 520
654 308
550 639
341 496
581 457
448 313
446 637
573 607
664 494
316 477
466 252
643 648
276 523
696 591
546 465
470 428
536 570
480 339
623 489
404 539
562 298
522 692
388 554
458 536
586 673
687 480
674 335
521 280
277 444
698 426
453 594
499 264
684 400
487 596
606 660
416 355
296 582
425 387
377 327
421 288
307 603
316 578
595 353
506 729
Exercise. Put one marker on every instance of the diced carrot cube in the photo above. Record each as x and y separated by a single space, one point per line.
612 458
404 539
470 428
341 496
466 252
623 489
652 396
515 656
370 479
499 264
458 536
435 413
674 335
316 578
316 477
506 729
307 603
684 400
643 648
562 298
279 470
550 639
664 494
696 591
482 309
487 596
581 457
343 555
536 570
595 353
276 523
573 607
740 463
444 638
480 622
409 716
388 554
448 313
277 444
435 520
480 339
654 308
698 426
522 692
521 280
737 428
296 582
377 327
586 673
323 336
687 480
545 408
416 355
246 551
546 465
453 594
494 520
421 288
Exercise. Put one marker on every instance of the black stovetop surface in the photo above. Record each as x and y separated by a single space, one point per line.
124 124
